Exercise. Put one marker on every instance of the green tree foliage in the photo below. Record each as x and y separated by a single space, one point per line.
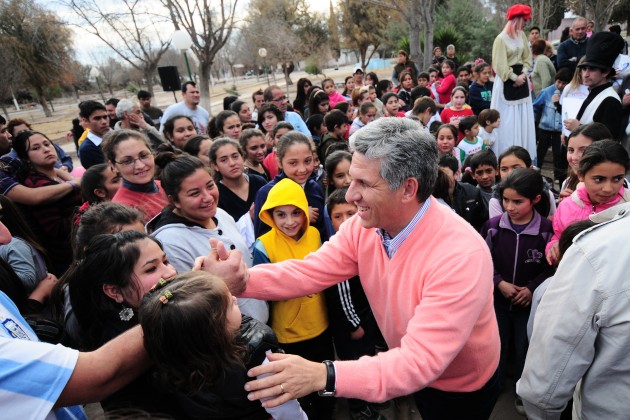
476 28
363 26
39 43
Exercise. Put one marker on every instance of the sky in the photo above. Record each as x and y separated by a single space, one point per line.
91 50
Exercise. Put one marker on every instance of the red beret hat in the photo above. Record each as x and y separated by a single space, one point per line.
521 10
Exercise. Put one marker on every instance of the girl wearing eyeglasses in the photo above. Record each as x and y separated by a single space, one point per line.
51 222
129 154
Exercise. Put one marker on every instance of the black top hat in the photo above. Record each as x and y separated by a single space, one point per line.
602 49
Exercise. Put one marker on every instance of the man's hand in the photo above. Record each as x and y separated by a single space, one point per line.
298 377
229 266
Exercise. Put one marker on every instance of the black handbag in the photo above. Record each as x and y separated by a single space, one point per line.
514 93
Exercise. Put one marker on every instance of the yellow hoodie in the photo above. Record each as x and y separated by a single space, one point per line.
297 319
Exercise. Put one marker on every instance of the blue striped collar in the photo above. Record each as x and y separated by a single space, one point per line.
390 244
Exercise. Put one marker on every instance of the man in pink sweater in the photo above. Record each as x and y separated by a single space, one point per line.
427 275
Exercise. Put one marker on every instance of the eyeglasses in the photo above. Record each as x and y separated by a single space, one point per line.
144 157
280 99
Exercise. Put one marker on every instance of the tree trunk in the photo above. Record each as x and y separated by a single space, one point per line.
204 84
42 100
148 77
413 20
427 10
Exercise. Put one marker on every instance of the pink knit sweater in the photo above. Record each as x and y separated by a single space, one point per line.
432 301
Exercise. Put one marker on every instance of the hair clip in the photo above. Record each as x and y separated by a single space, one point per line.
166 296
161 283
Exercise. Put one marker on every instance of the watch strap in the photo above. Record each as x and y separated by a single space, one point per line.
330 390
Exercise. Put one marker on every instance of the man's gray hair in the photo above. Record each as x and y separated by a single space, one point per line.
404 150
124 105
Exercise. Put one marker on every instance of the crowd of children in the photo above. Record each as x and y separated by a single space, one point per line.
274 193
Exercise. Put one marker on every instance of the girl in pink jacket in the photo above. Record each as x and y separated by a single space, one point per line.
601 170
333 96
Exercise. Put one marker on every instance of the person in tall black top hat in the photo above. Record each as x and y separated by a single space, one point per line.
602 103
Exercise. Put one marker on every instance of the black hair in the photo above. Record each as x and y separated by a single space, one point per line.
518 151
335 198
418 92
386 97
596 131
467 123
451 127
464 68
281 125
86 108
449 63
228 101
315 100
423 75
564 75
434 127
373 77
332 160
483 157
92 179
175 169
570 232
143 94
335 118
603 151
193 145
112 101
441 187
3 121
169 125
108 260
342 106
236 106
534 27
219 121
528 183
185 85
449 161
381 87
314 122
268 107
365 107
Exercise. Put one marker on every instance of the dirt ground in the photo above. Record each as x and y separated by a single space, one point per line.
66 109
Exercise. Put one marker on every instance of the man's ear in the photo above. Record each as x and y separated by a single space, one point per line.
410 189
113 292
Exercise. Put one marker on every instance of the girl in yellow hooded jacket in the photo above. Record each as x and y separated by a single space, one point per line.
301 323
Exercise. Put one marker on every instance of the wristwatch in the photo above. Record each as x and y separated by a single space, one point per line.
330 390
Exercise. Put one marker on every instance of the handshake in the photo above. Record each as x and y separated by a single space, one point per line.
228 265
